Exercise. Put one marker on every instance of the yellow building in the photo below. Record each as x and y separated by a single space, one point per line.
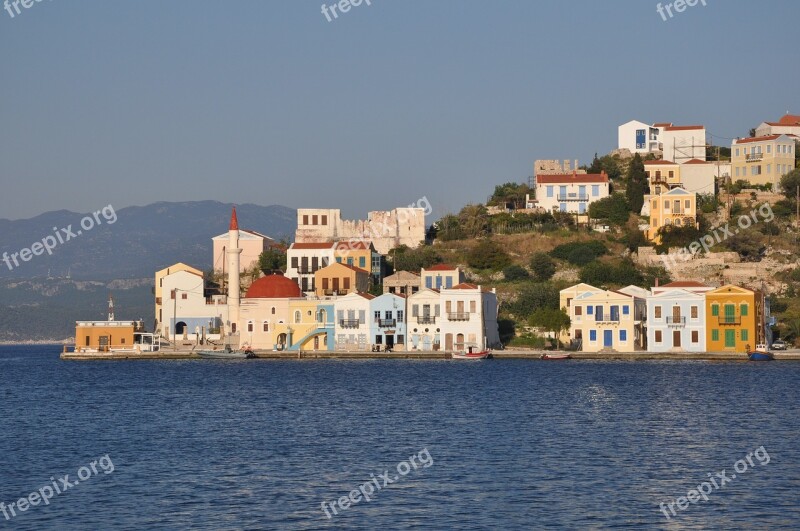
763 159
675 207
731 317
340 279
180 266
662 175
102 336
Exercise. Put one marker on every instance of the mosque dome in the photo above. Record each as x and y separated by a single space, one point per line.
273 287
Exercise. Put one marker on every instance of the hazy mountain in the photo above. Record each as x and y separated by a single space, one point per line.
141 241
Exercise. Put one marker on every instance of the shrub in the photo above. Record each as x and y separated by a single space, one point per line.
579 253
488 255
543 266
515 272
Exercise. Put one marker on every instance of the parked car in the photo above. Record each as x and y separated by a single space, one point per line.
779 344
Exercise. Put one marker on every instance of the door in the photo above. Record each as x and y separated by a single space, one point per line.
676 314
389 341
336 284
608 338
676 338
730 338
316 342
448 341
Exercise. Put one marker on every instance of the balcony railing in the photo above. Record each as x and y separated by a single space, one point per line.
457 316
306 270
332 292
730 320
349 323
753 157
573 197
426 319
676 321
606 319
386 323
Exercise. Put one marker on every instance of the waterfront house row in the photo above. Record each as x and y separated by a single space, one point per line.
676 317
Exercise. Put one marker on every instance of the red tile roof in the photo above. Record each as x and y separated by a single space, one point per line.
657 162
683 127
465 285
696 161
574 178
684 284
790 119
273 287
354 268
757 139
662 124
441 267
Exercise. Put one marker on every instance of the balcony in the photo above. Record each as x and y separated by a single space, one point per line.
573 197
348 323
387 323
426 319
676 321
606 319
753 157
729 320
457 316
306 270
332 292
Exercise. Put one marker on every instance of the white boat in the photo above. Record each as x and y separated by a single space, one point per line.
227 354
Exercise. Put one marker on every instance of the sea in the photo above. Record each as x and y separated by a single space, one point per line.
397 444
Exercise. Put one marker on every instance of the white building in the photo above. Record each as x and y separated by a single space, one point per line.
469 317
424 320
638 137
570 193
305 259
251 243
185 311
682 143
788 125
352 328
699 176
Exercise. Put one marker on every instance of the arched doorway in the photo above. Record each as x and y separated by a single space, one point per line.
460 342
180 328
281 341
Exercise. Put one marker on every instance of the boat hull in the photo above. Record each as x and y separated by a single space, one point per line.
760 356
472 355
223 355
555 356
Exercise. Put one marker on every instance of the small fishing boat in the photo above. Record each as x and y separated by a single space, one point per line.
559 356
227 354
760 355
472 353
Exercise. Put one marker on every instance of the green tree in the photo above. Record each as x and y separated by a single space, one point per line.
449 228
488 255
613 208
634 238
579 253
677 236
474 221
605 274
789 184
636 184
550 319
515 272
509 193
272 260
749 245
533 296
543 266
405 259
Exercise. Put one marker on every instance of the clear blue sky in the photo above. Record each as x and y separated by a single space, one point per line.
131 102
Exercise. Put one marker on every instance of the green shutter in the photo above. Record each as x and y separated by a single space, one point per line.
743 310
715 335
714 310
730 338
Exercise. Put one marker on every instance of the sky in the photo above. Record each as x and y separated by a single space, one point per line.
267 102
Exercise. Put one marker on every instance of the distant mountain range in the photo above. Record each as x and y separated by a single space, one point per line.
140 242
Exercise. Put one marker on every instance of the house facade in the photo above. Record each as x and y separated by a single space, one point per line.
699 176
441 276
681 143
184 310
731 317
638 137
676 321
388 321
607 320
303 260
469 317
340 279
570 193
787 125
762 159
352 327
401 283
251 243
662 175
424 320
676 207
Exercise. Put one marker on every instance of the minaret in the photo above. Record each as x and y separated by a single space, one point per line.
233 253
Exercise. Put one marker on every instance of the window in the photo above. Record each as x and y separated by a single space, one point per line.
388 314
626 310
693 312
615 313
769 168
623 336
349 260
657 312
273 310
595 190
598 313
715 335
472 307
593 335
305 219
578 310
562 207
714 310
184 296
448 282
400 316
362 262
695 336
671 174
658 336
233 328
428 282
297 316
737 168
743 310
589 310
769 148
265 327
294 262
737 152
549 191
378 339
314 219
338 259
172 294
376 315
324 219
745 335
687 205
346 283
401 339
362 316
415 310
249 326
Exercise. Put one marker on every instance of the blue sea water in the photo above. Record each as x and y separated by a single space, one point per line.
261 444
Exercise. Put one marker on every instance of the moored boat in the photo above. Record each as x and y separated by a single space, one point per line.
472 353
227 354
760 355
560 356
